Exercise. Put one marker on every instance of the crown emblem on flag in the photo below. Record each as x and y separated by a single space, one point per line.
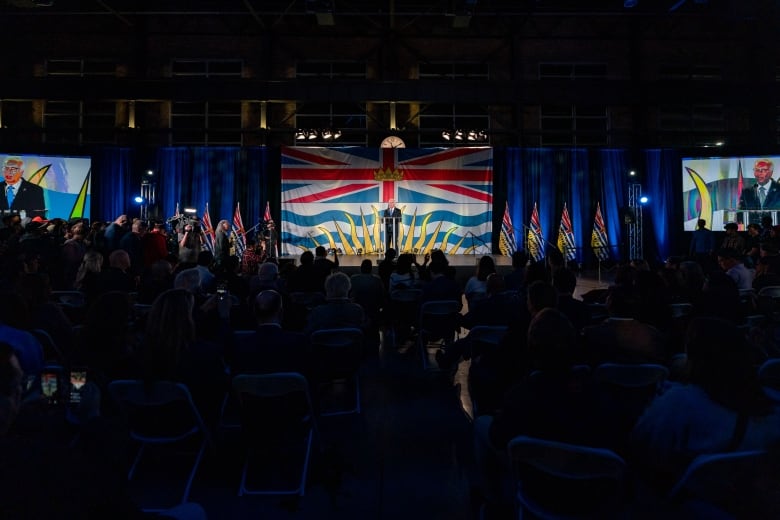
388 175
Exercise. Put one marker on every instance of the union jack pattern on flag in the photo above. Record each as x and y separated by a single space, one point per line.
335 197
566 243
506 242
598 239
534 237
267 217
238 232
208 230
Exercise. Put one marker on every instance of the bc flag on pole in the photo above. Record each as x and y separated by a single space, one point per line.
506 242
534 237
598 239
566 243
239 233
335 197
208 230
267 218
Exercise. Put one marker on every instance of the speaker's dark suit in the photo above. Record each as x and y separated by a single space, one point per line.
391 227
29 198
748 199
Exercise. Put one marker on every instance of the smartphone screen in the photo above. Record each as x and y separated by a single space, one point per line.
222 291
49 386
78 377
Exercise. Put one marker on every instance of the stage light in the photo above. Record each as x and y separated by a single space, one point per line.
190 211
459 135
482 135
312 134
327 134
138 199
300 135
446 135
644 199
632 173
336 134
471 135
150 173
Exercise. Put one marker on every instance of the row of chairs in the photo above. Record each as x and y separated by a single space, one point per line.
595 483
163 414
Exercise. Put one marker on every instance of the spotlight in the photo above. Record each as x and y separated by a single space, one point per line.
472 135
312 134
190 211
446 135
327 134
150 173
138 199
300 134
459 135
336 134
632 173
482 135
643 199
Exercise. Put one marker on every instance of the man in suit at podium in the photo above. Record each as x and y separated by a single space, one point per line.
392 225
764 194
19 194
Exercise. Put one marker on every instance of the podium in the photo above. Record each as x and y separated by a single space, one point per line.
390 228
743 216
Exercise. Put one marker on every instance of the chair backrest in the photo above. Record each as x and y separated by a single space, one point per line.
769 374
338 352
74 298
589 479
629 375
485 338
715 478
680 310
271 403
161 411
406 295
267 385
773 291
51 352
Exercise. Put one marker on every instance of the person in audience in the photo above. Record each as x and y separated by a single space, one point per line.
45 314
565 282
190 242
722 407
323 266
221 242
154 245
157 279
556 404
499 307
132 243
208 282
267 278
476 286
118 276
72 254
732 240
403 277
752 244
441 286
767 273
304 278
368 292
622 338
114 233
172 351
337 312
702 244
730 261
14 323
515 280
386 267
270 348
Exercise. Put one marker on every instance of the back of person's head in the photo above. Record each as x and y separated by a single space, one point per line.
161 269
119 259
169 331
307 258
720 297
437 255
268 306
555 258
701 223
437 267
366 266
14 311
485 267
404 264
267 271
205 258
536 272
188 279
551 341
564 280
390 254
720 362
541 295
495 283
519 259
10 386
139 226
621 302
337 285
320 252
92 261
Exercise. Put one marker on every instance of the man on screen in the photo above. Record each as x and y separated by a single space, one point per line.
765 194
391 225
18 194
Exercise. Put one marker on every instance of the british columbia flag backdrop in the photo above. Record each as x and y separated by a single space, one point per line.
335 197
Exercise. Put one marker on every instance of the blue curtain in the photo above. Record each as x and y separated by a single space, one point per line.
613 167
663 188
112 183
221 176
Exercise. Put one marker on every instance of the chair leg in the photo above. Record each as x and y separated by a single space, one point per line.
195 466
135 462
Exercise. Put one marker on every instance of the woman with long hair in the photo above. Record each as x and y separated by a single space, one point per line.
476 286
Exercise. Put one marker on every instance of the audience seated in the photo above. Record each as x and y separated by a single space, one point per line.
730 261
403 277
476 286
14 323
369 292
440 286
565 282
386 267
622 338
515 280
156 279
269 348
337 312
722 407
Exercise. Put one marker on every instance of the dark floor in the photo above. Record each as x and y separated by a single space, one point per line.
408 454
